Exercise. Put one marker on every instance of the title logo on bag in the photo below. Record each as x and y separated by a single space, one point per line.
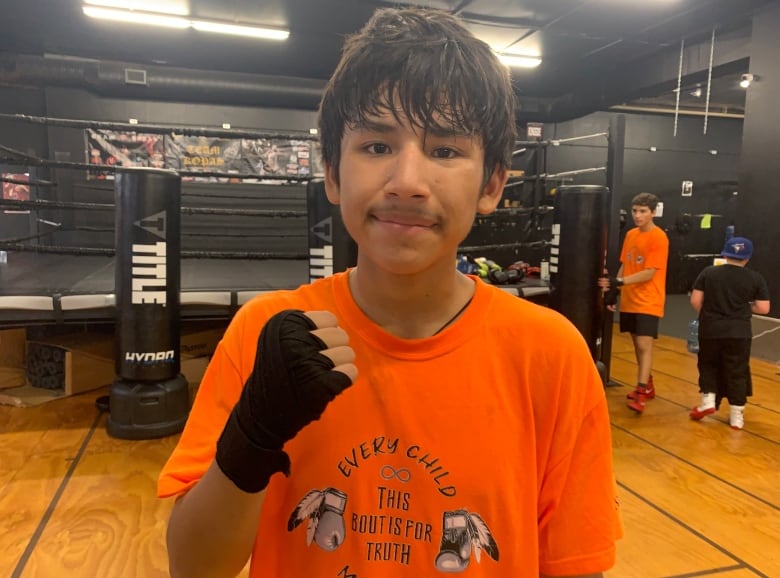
150 265
321 258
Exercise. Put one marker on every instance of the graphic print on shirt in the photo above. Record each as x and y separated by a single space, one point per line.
464 534
390 534
638 258
325 511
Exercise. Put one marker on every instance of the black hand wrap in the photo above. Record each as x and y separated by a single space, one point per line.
615 283
290 386
611 295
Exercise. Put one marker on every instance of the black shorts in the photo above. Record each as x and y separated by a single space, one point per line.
639 324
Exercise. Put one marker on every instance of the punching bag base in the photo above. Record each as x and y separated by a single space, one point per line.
148 410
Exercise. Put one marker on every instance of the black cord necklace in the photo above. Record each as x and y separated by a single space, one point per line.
454 317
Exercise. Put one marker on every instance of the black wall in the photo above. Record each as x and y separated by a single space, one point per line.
759 212
684 157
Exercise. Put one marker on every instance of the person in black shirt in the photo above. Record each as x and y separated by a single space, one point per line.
726 296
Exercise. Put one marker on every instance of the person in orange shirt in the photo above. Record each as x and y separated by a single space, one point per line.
642 283
400 418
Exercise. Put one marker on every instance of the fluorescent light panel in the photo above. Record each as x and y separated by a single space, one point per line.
251 31
162 7
156 19
136 17
518 60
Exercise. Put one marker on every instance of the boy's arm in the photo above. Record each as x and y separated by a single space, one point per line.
760 307
697 299
640 276
212 528
303 362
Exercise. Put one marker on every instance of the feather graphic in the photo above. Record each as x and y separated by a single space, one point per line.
307 508
314 520
482 538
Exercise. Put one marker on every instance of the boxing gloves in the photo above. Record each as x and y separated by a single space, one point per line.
290 386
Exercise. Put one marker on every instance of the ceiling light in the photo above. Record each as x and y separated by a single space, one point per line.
518 60
156 19
136 17
747 80
160 7
251 31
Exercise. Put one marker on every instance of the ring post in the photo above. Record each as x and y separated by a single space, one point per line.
150 397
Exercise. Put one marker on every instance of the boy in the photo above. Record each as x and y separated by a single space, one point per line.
423 421
725 297
642 280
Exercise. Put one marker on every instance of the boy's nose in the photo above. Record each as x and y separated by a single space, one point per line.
409 173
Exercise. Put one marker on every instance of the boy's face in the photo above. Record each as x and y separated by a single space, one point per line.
408 199
643 216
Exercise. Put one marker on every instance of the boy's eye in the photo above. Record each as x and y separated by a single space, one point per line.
444 153
377 148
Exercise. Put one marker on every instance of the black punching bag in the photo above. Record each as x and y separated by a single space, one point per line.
577 258
331 249
149 397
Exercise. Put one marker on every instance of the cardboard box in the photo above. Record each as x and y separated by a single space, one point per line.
200 340
12 345
77 362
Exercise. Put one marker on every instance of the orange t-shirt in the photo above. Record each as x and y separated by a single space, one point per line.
643 251
487 445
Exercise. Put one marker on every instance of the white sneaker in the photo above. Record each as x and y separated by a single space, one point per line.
737 416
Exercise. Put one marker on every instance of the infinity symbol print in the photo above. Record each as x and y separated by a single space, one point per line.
402 474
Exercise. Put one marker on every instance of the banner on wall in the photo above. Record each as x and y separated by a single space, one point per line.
261 157
202 154
124 149
16 191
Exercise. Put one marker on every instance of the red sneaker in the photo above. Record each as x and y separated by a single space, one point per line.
638 404
648 392
698 414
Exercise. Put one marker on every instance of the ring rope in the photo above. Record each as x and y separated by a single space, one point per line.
43 204
31 182
158 128
64 250
532 244
261 197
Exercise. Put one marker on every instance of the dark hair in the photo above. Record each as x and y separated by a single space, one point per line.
648 200
437 70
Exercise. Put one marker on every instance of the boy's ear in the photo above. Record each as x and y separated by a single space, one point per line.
332 188
492 191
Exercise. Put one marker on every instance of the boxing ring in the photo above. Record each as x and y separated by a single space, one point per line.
276 230
50 288
69 281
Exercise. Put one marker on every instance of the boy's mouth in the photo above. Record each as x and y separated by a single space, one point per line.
403 219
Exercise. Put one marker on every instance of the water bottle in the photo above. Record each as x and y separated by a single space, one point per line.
729 232
693 336
544 270
3 257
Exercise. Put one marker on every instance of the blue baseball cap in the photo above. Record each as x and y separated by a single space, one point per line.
738 248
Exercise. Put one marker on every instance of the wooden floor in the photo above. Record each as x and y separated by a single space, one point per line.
698 499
